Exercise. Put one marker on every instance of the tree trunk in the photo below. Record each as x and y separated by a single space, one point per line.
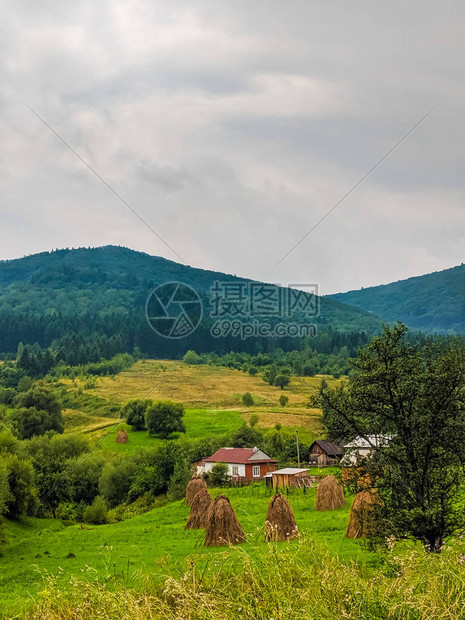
433 544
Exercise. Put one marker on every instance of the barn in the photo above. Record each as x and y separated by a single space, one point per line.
323 453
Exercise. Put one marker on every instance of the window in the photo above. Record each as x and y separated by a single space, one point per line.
256 471
235 470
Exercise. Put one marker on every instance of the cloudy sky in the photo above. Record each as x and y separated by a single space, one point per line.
232 127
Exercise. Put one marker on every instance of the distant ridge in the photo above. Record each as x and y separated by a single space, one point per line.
43 296
434 302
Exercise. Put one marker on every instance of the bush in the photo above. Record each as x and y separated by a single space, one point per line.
97 513
247 399
134 411
219 475
283 400
191 357
253 371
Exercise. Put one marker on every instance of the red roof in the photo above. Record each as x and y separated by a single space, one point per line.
239 455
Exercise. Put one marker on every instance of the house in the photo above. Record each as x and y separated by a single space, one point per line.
289 477
361 447
355 451
324 453
247 463
199 465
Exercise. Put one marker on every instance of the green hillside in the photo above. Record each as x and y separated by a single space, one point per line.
104 290
434 302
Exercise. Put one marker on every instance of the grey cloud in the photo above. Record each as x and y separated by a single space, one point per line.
233 127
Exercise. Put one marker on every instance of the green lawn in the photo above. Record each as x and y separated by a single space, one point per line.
153 544
199 423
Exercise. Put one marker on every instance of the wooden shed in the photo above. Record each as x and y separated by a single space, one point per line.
289 477
323 453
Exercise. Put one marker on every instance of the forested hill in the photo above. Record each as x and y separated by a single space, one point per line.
46 296
434 302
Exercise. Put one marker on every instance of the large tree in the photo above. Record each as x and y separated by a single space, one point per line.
164 418
417 397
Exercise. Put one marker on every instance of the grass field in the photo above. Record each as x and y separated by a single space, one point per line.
212 397
154 544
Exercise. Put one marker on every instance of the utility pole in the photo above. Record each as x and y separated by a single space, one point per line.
298 449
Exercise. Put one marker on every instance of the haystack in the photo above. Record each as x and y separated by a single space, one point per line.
363 517
194 486
199 510
280 521
122 436
222 527
329 494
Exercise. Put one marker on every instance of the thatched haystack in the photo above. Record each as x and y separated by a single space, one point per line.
199 509
329 494
122 436
363 517
280 521
194 486
222 527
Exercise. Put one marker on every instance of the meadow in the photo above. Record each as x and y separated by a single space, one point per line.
153 545
211 395
149 566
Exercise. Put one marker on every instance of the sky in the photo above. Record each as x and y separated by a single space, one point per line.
232 128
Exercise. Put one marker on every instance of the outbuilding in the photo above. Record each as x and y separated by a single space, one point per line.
289 477
323 453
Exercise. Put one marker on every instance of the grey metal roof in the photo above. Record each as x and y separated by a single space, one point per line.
289 471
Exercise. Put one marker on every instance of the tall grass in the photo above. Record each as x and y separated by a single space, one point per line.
290 581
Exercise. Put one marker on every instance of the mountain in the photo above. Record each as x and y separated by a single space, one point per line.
434 302
46 295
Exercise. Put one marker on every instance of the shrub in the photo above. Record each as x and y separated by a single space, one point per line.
219 475
247 399
97 513
191 357
134 412
283 400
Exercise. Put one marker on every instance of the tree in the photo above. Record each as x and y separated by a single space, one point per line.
247 399
164 418
134 412
283 400
253 371
24 384
29 422
42 400
219 475
191 357
20 480
253 420
97 512
416 397
281 381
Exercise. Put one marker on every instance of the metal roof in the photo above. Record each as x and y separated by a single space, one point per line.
239 456
290 471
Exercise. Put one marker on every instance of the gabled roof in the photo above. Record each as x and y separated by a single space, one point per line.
369 442
239 455
329 448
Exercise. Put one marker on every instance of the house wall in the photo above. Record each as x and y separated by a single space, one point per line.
264 469
245 470
241 469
